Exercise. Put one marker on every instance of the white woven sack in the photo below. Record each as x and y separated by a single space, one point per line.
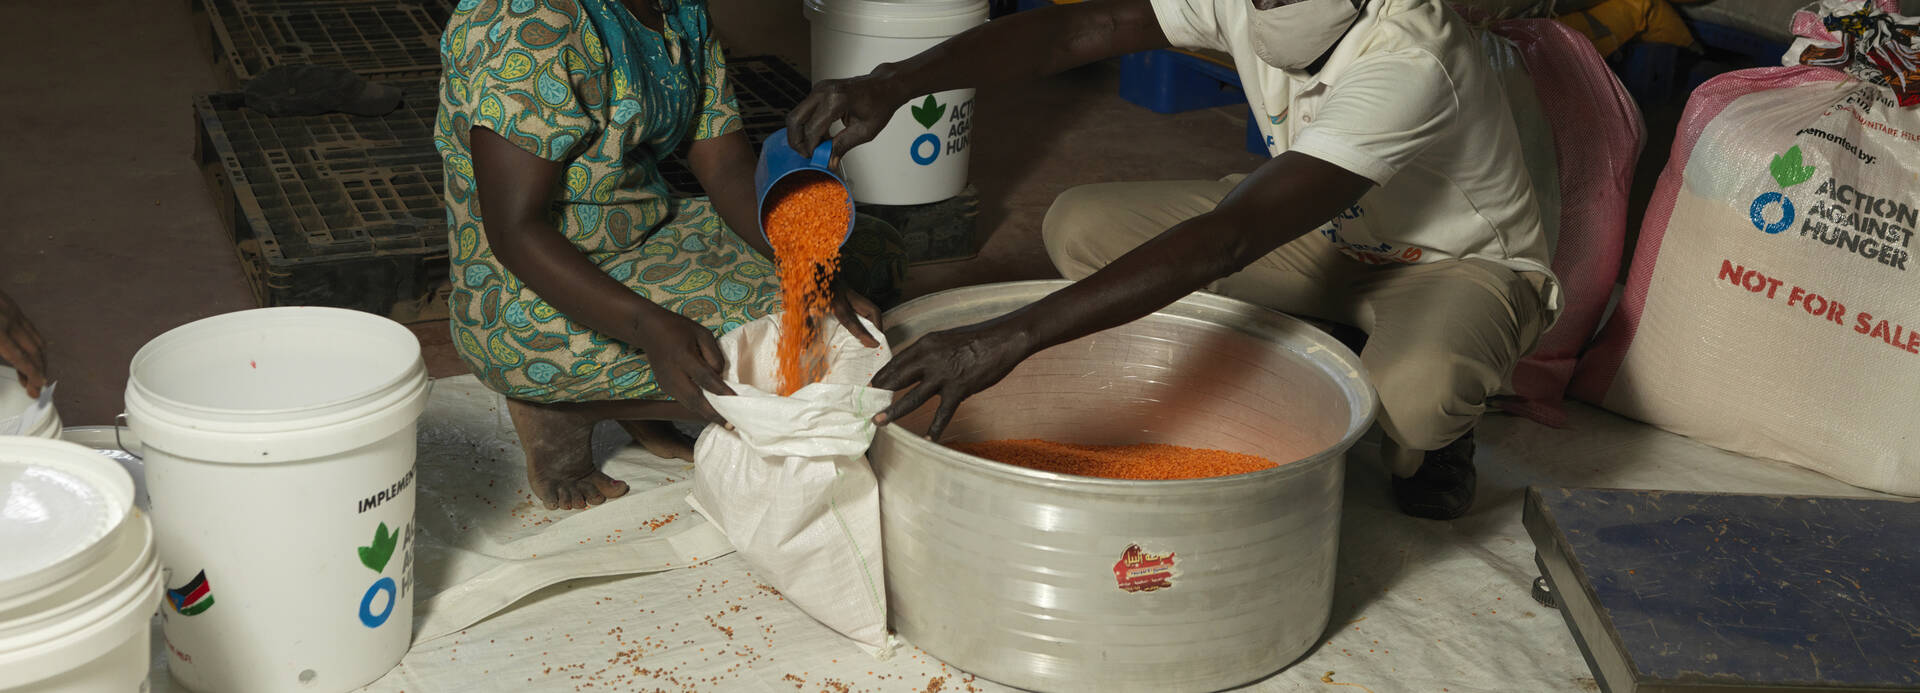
790 485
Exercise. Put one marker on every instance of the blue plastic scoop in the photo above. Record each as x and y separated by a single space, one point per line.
778 161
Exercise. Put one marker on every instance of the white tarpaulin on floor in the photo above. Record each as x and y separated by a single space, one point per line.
1421 605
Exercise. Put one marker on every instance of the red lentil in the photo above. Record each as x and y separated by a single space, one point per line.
1148 461
805 224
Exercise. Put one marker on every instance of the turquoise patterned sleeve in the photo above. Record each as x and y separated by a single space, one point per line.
532 83
719 109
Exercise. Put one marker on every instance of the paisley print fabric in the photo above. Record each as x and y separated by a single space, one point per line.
537 73
522 347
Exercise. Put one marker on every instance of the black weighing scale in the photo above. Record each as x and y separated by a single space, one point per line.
1669 592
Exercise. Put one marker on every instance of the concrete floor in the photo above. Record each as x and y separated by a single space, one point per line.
108 236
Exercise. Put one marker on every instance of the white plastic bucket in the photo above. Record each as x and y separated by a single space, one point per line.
279 449
15 402
79 580
921 156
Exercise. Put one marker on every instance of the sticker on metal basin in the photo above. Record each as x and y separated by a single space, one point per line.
1139 570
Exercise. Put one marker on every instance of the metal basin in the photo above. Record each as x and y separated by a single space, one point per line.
1033 579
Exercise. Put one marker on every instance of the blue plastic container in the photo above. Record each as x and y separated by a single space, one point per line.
1256 140
778 161
1170 81
1761 50
1649 71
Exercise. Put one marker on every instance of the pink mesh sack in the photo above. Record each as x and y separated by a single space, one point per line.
1597 134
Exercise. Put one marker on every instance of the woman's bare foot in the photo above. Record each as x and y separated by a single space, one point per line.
660 439
560 457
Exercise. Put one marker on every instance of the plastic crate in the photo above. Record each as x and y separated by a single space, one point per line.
344 211
332 210
1762 51
1174 80
1256 140
767 88
1658 73
1728 49
1648 70
371 37
942 231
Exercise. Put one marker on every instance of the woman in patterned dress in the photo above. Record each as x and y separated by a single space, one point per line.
588 291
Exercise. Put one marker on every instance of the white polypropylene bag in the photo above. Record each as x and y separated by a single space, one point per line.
1772 309
790 485
27 422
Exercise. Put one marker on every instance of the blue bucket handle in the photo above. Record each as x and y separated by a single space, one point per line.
778 160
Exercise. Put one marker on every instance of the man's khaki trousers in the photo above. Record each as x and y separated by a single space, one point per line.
1443 336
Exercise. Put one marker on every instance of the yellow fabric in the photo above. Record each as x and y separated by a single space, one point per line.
1613 23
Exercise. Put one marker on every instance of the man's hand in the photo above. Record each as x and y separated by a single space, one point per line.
849 307
686 360
1284 199
954 364
22 347
1018 47
865 104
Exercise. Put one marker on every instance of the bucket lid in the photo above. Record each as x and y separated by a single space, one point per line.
128 554
276 384
86 617
898 18
60 503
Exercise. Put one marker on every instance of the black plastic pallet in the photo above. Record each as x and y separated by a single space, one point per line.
371 37
944 231
332 210
347 211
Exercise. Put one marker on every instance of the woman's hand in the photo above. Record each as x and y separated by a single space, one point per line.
516 188
954 364
22 347
686 360
849 307
865 104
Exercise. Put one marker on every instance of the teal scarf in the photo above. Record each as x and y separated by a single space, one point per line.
625 37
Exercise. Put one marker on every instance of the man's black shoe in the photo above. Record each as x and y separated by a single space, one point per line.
1443 487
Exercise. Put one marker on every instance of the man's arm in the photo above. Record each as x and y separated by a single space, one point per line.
1284 199
1023 46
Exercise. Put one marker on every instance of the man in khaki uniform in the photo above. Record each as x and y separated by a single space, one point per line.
1396 201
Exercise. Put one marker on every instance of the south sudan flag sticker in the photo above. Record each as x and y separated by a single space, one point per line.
192 598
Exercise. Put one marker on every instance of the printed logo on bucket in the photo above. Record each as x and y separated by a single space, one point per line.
1140 571
192 598
927 148
376 605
